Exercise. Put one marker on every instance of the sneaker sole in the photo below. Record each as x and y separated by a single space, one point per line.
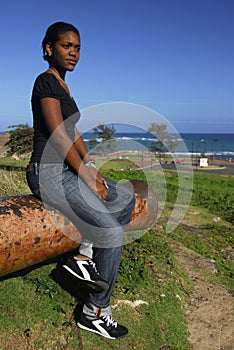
95 285
99 333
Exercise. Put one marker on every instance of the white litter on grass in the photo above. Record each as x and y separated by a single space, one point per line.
133 304
217 219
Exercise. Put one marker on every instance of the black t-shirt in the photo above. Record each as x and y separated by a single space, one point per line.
47 85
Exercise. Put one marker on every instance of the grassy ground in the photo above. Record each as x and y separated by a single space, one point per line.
36 313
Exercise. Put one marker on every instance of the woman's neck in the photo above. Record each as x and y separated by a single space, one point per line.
58 73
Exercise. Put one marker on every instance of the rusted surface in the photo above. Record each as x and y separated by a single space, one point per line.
29 234
145 211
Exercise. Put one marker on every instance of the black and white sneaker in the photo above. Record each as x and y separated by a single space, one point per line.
104 326
85 271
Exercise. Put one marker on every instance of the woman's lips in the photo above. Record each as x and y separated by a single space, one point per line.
72 62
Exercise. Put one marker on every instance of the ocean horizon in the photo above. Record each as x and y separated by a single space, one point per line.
218 145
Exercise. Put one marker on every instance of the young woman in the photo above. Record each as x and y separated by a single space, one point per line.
61 173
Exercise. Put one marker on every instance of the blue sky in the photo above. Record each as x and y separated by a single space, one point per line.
175 57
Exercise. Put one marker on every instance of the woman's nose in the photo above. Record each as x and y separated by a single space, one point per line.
72 52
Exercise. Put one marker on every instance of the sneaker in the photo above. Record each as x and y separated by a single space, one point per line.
104 326
85 270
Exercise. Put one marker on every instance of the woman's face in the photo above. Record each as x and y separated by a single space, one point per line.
65 52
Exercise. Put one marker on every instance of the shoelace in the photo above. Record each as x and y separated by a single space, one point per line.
110 321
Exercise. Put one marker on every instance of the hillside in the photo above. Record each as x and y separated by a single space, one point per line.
3 140
183 279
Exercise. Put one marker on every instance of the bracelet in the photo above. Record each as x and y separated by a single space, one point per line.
90 164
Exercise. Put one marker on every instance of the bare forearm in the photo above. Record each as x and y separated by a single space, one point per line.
81 147
69 152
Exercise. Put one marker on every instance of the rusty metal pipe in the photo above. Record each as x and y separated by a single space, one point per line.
29 234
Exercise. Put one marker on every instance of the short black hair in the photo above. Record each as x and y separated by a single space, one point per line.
53 32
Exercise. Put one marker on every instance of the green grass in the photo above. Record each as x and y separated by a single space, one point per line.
35 302
12 177
10 162
218 196
114 164
37 313
13 183
214 242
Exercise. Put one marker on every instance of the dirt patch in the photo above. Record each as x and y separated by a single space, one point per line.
3 139
209 312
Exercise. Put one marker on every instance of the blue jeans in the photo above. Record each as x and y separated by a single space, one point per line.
98 221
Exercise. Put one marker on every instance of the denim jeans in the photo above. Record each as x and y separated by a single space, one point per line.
98 221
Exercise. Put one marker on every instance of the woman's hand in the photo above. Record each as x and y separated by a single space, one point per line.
100 186
99 189
94 172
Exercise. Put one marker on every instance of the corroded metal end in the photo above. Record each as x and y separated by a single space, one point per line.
145 212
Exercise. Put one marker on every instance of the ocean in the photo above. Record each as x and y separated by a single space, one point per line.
220 146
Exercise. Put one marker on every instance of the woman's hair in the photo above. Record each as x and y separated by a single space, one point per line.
53 33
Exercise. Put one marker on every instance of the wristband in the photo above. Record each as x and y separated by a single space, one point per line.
90 164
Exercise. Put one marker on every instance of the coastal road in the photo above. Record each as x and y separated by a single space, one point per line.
226 169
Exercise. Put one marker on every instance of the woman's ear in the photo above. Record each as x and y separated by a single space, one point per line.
49 49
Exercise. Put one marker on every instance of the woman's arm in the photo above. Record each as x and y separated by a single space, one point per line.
81 147
83 152
53 117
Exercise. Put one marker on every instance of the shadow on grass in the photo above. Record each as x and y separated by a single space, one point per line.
66 281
